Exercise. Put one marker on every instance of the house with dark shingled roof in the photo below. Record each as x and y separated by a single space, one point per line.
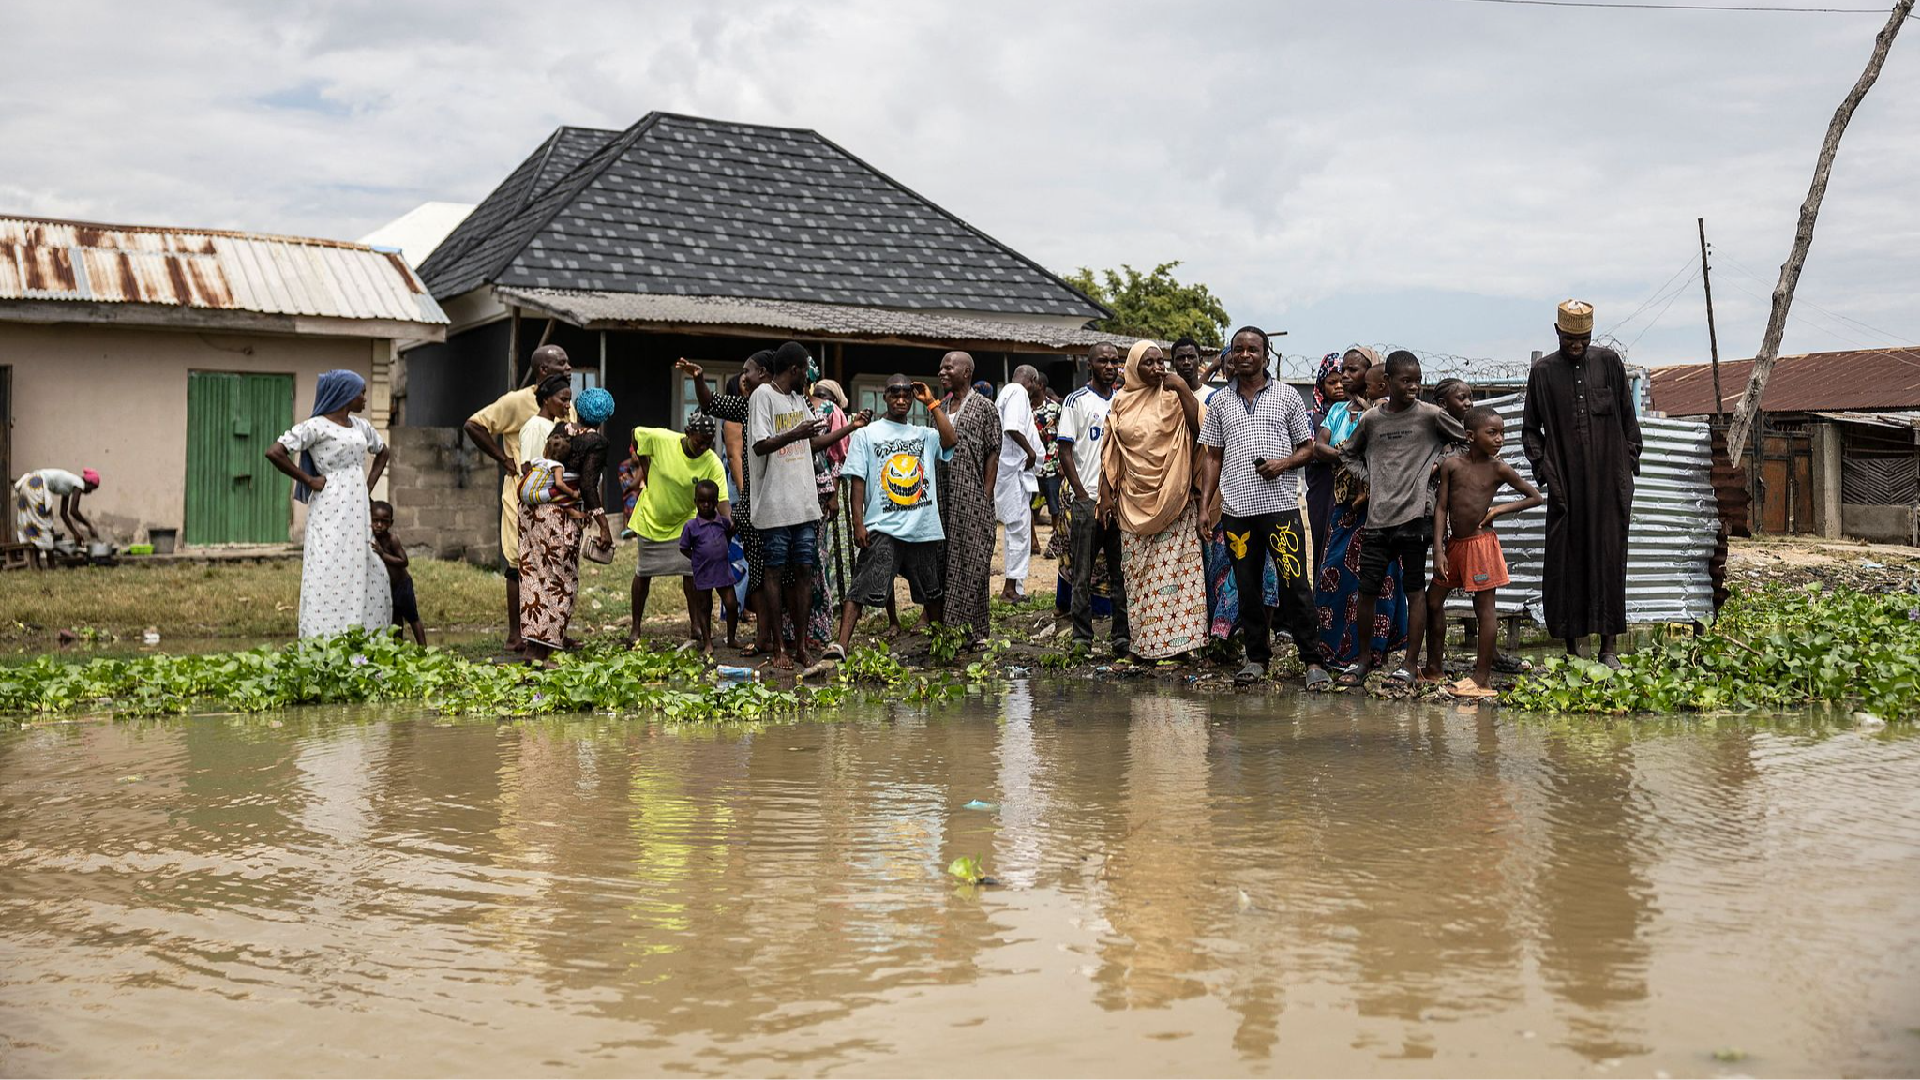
683 236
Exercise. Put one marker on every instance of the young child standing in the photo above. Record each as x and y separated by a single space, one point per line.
704 539
1393 449
1466 550
406 610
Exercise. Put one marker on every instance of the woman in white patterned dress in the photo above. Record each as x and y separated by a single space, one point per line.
343 583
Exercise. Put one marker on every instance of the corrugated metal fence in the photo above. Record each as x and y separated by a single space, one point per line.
1671 538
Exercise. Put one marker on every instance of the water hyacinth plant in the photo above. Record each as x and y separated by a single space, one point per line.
361 668
1772 649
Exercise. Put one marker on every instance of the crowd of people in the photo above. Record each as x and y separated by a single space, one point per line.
1192 500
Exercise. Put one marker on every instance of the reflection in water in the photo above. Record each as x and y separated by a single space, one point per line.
1222 884
1593 893
1156 880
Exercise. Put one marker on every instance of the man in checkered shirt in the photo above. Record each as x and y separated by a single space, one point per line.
1256 436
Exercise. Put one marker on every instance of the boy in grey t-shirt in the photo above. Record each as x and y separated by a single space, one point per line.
1393 450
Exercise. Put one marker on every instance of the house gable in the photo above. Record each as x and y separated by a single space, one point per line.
679 205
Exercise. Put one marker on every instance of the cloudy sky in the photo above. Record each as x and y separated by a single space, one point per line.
1434 174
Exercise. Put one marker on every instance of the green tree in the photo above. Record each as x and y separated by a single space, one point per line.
1154 304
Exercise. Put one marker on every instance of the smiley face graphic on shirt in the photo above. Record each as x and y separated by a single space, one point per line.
904 479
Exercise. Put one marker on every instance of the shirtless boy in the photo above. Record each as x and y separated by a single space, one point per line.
1466 552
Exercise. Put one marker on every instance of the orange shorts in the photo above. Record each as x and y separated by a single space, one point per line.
1474 564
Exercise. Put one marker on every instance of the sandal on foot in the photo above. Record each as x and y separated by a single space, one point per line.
1401 679
833 652
1349 677
1318 679
1467 688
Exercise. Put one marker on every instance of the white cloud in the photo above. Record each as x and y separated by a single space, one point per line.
1408 171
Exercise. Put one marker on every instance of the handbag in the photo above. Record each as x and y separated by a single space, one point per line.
597 552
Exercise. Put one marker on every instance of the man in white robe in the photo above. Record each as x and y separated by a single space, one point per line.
1020 457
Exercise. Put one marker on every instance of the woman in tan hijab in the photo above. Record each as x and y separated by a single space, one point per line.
1146 485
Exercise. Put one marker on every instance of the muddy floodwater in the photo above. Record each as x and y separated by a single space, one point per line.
1223 885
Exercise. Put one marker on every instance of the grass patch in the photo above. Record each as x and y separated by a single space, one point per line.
261 601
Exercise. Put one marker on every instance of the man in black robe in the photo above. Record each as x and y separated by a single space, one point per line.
1583 439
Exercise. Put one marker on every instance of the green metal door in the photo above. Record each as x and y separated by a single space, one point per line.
234 496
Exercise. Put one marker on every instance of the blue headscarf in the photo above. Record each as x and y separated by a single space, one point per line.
594 406
335 391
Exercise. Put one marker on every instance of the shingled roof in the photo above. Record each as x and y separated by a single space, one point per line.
1870 379
679 205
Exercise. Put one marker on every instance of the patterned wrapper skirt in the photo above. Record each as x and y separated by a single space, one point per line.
1166 588
1336 594
549 573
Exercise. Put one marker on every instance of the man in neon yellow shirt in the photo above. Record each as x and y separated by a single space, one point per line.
667 465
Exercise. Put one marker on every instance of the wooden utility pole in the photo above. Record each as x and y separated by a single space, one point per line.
1713 338
1763 361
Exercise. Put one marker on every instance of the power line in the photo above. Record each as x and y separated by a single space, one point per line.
1806 319
1891 338
1658 295
1663 311
1681 7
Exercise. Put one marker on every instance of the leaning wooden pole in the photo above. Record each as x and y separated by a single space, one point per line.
1763 361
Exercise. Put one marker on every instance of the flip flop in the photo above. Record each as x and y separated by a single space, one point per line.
1401 679
833 652
1467 688
1349 677
1318 679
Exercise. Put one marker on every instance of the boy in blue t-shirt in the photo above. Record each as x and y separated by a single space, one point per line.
891 465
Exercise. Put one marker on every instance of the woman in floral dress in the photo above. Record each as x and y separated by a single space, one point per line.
343 583
1146 487
550 532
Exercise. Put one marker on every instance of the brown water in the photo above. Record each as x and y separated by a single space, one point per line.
1226 885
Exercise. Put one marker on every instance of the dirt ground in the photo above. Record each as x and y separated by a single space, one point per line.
1799 561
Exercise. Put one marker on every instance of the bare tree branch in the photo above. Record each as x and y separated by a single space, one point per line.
1763 361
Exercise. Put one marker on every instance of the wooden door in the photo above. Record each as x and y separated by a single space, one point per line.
233 495
1785 494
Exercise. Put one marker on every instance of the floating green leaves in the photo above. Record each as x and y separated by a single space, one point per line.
967 869
1772 649
875 666
361 668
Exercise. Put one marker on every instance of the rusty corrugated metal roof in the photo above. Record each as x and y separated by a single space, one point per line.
1899 419
43 259
1868 379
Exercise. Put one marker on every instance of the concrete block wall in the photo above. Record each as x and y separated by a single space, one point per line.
1881 524
445 495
